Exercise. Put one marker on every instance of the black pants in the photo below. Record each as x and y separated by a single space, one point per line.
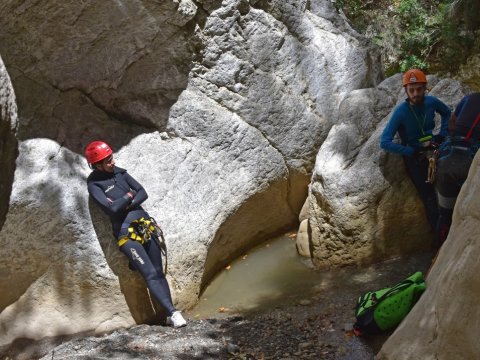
417 170
147 259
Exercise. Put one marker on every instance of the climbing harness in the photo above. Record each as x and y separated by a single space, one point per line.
432 168
426 141
457 144
144 230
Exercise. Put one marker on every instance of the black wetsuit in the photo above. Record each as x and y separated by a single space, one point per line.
454 159
110 190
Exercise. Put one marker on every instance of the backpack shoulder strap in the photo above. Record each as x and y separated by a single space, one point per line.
400 286
469 134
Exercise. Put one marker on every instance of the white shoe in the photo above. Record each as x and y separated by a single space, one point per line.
177 320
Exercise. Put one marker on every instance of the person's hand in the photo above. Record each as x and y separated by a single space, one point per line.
438 139
418 151
423 149
132 194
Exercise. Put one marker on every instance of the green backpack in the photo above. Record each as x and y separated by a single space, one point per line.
377 311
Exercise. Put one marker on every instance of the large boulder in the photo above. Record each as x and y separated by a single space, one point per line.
361 206
255 90
8 142
82 68
226 96
443 323
56 276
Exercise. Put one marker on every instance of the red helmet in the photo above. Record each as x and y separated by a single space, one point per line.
97 151
414 76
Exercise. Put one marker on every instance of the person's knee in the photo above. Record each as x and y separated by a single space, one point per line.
153 275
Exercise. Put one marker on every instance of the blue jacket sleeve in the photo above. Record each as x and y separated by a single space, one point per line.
445 113
141 195
386 140
111 207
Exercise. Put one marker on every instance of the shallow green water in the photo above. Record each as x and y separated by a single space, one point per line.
273 273
267 273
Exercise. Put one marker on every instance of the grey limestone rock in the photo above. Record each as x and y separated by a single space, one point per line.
219 111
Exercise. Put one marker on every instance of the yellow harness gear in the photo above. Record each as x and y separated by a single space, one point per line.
143 230
140 230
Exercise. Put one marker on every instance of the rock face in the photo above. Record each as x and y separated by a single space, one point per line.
362 206
198 340
56 276
224 109
80 68
470 72
8 142
255 88
443 323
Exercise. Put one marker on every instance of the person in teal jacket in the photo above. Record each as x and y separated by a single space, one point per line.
414 121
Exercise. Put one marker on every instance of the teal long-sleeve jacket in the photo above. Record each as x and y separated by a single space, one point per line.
413 122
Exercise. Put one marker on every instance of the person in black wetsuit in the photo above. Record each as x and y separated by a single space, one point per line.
120 196
454 159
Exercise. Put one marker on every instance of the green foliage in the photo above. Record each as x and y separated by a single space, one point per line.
458 32
412 61
427 34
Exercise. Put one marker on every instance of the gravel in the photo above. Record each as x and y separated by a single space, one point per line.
311 325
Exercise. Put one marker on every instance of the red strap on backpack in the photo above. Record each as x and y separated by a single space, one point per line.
469 134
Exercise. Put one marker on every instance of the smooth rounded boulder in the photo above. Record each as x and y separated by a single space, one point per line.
217 109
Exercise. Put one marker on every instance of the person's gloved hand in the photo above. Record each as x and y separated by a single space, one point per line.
438 139
130 195
418 151
422 150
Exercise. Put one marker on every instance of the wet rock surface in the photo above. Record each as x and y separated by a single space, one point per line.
315 324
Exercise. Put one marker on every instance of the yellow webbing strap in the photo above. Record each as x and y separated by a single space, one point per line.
122 241
146 225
